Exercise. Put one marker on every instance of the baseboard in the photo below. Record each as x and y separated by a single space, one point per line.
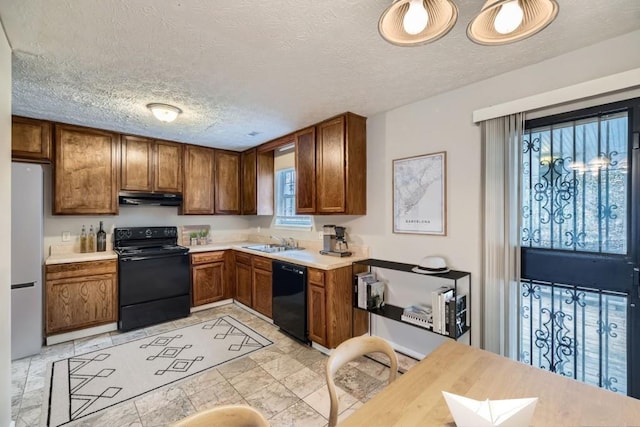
83 333
252 311
321 348
211 305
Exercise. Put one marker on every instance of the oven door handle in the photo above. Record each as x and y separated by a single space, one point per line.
142 258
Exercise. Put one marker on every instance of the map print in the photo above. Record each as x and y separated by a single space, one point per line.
418 194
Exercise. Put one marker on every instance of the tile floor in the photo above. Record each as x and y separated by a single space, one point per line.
284 381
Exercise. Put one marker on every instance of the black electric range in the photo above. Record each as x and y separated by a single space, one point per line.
153 276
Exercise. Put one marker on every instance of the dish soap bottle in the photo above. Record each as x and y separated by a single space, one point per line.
83 240
101 239
91 241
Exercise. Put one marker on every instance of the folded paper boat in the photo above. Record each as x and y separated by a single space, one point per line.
485 413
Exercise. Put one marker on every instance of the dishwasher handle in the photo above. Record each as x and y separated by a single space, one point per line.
289 268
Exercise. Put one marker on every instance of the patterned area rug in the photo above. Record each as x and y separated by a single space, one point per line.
85 384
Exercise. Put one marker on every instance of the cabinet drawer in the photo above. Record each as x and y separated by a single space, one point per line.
78 269
315 276
262 263
207 257
243 258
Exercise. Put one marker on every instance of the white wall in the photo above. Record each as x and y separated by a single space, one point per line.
5 224
444 122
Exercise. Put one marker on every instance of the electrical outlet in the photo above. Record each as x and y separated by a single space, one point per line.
66 236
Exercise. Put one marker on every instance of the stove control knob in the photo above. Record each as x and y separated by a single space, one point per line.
148 232
169 232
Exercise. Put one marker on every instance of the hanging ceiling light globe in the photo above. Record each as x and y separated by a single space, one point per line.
507 21
417 22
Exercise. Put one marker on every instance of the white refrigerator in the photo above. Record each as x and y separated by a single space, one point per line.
27 213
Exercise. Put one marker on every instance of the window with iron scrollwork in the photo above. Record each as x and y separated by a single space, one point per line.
574 192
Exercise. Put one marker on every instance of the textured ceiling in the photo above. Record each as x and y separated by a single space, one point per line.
239 66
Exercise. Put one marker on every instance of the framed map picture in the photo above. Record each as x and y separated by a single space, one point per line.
419 194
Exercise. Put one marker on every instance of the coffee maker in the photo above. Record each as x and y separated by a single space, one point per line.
334 241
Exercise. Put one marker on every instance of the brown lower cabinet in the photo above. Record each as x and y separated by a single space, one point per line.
208 277
261 289
80 295
253 282
331 317
243 278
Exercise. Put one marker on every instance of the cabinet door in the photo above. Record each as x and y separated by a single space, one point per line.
243 283
227 182
30 140
262 292
249 182
208 283
316 314
265 183
168 167
80 302
85 173
331 166
137 163
306 171
198 180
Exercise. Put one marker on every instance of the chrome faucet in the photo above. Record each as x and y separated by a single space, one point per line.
282 240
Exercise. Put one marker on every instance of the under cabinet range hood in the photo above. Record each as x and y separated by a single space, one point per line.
131 198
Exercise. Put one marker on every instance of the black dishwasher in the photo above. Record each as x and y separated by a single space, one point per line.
290 299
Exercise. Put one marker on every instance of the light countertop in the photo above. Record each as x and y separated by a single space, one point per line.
306 257
65 258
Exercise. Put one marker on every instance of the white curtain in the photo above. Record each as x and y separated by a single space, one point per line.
501 138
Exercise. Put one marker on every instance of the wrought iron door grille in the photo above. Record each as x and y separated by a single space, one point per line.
576 332
575 185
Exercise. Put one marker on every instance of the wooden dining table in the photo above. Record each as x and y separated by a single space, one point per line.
415 398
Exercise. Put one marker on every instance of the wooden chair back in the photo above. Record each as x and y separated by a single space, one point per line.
351 350
227 416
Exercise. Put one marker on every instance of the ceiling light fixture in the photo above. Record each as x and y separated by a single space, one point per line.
164 112
416 22
507 21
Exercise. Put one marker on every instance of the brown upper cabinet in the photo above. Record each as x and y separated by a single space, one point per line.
257 182
198 184
85 173
331 167
306 171
227 182
149 165
30 140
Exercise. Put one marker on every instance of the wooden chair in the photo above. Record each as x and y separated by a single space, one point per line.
225 416
348 351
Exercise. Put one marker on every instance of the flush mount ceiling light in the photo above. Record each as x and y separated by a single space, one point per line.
416 22
507 21
164 112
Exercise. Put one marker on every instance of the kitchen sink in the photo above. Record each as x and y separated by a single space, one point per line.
271 248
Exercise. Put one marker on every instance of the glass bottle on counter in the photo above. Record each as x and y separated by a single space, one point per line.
101 241
83 240
91 240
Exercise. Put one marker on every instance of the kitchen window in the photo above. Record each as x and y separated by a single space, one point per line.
286 201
